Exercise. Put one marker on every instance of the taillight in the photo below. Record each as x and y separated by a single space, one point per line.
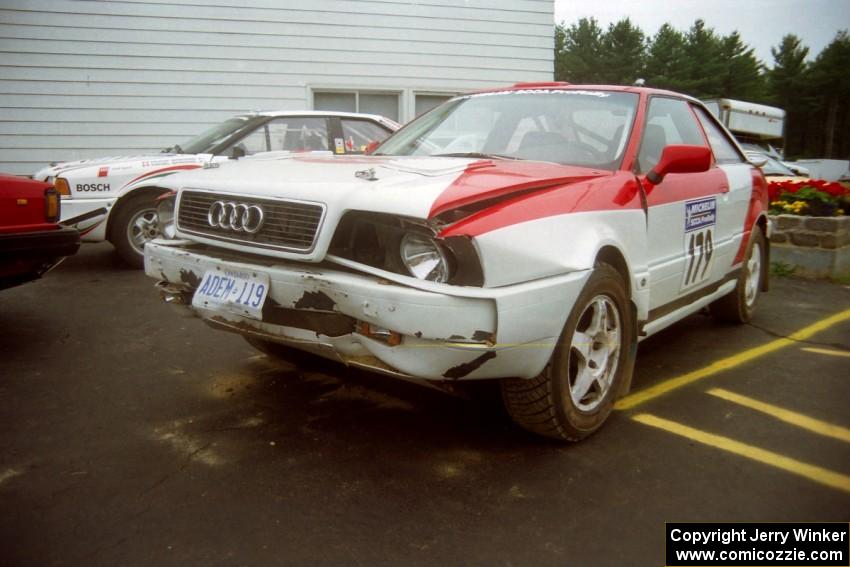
52 206
62 186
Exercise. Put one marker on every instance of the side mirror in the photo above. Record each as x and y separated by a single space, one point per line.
756 159
371 147
237 152
680 159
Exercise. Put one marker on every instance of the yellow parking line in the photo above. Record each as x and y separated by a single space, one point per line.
643 396
799 468
788 416
828 351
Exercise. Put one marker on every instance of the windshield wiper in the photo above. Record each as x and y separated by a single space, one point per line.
175 149
476 155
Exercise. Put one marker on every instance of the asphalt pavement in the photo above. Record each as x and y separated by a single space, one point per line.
131 436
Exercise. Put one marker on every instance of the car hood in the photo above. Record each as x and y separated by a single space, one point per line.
419 187
144 160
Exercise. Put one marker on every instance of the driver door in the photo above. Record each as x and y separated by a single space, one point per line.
681 210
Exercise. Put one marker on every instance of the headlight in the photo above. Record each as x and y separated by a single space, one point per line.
165 214
62 186
424 258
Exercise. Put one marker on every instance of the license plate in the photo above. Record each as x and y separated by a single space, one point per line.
238 292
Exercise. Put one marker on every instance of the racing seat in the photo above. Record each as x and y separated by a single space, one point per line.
544 146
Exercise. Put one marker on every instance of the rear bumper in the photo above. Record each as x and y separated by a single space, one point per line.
26 256
446 332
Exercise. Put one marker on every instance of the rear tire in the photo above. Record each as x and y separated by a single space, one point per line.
738 307
575 393
135 224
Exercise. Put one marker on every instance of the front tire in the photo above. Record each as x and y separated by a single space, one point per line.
738 307
575 393
136 224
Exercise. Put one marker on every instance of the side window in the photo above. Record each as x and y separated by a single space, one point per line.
358 134
298 134
724 150
668 121
255 142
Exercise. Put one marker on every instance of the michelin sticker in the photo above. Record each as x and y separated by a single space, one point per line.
700 221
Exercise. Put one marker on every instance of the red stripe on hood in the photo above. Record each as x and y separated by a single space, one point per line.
484 180
612 192
171 168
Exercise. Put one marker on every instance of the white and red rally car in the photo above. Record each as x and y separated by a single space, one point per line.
113 198
531 234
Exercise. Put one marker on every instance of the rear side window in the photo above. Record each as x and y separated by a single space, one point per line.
724 150
668 121
298 134
358 134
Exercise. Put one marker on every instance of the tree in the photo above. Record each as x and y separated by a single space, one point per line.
787 85
622 53
703 62
816 96
742 76
578 48
665 59
789 71
830 80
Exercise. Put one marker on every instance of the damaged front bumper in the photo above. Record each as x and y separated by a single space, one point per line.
384 322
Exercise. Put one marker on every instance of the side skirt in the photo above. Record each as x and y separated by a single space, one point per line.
665 315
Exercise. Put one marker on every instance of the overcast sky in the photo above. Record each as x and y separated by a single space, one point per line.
761 23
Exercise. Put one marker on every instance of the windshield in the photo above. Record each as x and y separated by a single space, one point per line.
205 142
574 127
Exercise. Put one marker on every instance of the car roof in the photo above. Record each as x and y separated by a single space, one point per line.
561 85
278 113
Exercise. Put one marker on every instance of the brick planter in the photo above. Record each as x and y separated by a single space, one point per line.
817 247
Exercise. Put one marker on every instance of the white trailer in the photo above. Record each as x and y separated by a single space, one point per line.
750 122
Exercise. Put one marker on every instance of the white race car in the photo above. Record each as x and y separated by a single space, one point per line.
113 198
531 234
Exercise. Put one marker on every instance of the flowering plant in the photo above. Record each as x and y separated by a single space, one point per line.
811 197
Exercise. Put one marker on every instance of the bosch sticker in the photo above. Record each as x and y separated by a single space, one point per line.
92 187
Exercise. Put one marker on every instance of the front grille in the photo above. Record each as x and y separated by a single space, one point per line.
288 225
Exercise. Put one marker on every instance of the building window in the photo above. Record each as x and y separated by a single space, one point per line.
385 104
425 102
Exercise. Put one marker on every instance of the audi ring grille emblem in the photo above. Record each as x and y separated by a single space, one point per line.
237 217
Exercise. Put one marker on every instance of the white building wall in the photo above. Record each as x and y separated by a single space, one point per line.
88 78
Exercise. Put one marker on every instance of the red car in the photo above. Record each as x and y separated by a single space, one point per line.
31 242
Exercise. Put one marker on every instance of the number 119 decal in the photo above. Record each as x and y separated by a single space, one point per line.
700 220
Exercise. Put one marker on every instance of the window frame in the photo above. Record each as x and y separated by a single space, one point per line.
695 107
636 166
222 148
